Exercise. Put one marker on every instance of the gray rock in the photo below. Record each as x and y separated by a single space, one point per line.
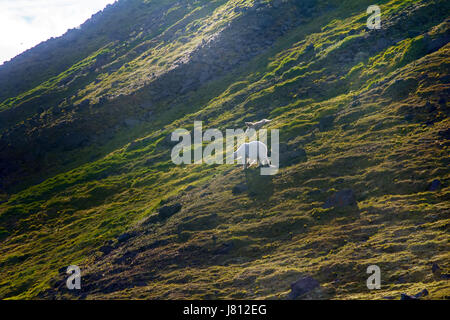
404 296
417 296
124 237
341 198
421 294
435 185
106 249
302 286
435 268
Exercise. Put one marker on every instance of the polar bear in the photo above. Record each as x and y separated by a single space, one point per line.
252 152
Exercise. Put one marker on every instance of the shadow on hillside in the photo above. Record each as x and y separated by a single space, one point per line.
260 188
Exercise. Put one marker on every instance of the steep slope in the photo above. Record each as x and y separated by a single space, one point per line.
85 159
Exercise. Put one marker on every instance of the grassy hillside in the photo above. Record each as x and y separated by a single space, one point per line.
85 160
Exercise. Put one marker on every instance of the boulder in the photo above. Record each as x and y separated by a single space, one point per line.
435 185
341 198
421 294
63 270
106 249
124 237
436 269
302 286
417 296
404 296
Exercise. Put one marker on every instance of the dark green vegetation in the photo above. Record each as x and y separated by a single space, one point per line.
85 166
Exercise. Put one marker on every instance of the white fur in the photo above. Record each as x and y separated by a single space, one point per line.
256 125
252 152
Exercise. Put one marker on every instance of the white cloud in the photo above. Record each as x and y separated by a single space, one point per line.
26 23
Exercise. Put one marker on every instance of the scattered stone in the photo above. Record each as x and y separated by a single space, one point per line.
341 198
106 249
421 294
302 286
417 296
168 211
404 296
435 185
124 237
436 269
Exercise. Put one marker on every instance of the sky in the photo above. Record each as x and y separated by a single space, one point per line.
26 23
